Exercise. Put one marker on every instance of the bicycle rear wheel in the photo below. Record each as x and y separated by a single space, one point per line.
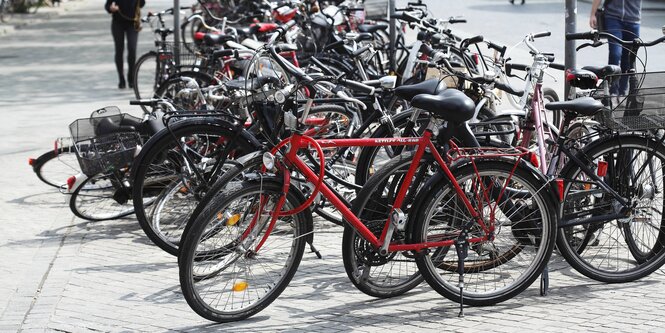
619 250
522 211
55 166
371 273
222 274
147 75
100 198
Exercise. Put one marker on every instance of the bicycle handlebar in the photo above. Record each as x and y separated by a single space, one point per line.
541 34
596 35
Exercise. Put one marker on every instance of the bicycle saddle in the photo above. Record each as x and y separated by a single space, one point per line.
603 71
582 78
585 106
431 86
371 28
216 39
450 104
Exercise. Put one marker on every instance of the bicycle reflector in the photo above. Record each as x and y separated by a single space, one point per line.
602 169
240 286
31 161
559 187
476 58
534 159
70 182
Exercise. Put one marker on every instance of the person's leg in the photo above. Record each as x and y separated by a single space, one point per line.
118 40
630 31
132 39
614 27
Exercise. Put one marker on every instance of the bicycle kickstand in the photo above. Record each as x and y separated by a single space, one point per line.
462 248
544 281
314 250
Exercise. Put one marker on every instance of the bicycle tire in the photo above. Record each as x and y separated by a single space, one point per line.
190 259
371 273
98 202
154 155
54 174
596 237
146 76
536 237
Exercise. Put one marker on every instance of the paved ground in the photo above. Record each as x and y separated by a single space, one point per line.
59 273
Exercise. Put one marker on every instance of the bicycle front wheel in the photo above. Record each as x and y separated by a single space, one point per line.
224 275
146 75
511 199
616 250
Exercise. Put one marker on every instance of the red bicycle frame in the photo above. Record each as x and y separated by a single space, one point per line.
299 141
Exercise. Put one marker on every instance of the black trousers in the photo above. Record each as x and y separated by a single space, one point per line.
120 29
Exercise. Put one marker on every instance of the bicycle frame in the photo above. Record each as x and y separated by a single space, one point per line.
298 141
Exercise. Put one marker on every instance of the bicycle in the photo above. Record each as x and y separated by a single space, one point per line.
207 252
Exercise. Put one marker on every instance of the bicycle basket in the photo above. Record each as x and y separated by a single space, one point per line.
102 145
189 55
643 108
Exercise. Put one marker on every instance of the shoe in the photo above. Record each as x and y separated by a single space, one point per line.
130 83
121 84
523 1
512 2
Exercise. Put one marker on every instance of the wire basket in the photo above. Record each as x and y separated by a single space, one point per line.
643 108
190 55
104 144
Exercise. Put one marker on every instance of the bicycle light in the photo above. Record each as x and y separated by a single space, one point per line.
602 168
268 160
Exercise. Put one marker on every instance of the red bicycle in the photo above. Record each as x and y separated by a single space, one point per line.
490 205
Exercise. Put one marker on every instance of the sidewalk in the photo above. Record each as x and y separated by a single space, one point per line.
43 14
60 273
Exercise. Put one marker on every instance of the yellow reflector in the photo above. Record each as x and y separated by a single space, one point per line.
587 186
233 219
183 189
240 286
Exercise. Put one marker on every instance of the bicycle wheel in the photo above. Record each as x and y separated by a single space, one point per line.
625 249
224 276
55 166
516 202
147 76
99 198
162 174
173 88
371 273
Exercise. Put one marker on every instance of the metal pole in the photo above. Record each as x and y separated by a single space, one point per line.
176 31
571 18
393 36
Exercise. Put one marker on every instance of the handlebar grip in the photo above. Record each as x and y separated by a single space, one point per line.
351 10
542 34
581 35
508 89
357 86
360 51
501 49
144 102
333 45
288 25
408 17
222 53
558 66
518 67
456 20
470 41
